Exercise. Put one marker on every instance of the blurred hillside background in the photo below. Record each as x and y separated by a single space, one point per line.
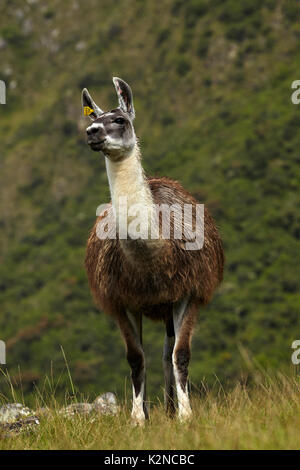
212 91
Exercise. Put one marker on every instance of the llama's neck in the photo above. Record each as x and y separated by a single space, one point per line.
130 193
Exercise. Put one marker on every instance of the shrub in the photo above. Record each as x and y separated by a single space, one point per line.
183 66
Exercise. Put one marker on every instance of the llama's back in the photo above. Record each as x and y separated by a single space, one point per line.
151 285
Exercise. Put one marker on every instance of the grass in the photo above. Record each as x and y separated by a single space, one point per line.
265 415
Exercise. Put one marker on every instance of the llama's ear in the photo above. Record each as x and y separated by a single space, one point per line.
125 96
89 106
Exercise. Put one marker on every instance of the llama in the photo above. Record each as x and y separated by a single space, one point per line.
131 276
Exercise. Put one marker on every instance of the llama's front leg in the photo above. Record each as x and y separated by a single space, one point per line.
130 326
184 315
168 368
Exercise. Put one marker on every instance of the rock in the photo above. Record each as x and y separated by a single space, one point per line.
13 411
13 84
26 424
106 404
19 13
3 43
77 408
27 26
15 417
80 46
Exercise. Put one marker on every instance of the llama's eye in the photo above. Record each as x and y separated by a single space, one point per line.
119 121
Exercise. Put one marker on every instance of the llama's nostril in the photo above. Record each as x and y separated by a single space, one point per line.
91 130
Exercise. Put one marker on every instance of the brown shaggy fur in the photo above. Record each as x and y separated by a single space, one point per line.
140 283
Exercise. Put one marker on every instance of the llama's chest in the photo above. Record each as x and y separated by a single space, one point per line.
134 280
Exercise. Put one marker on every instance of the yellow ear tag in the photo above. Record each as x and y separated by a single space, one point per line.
87 110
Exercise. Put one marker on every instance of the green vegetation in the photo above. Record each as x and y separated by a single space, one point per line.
266 417
212 86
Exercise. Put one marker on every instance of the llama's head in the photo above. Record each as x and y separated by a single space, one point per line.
111 132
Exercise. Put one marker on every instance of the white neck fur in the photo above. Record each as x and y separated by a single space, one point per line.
127 180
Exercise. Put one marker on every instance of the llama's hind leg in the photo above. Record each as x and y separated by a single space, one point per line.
130 326
168 368
184 315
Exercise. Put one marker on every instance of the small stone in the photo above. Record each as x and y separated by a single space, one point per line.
80 46
7 70
77 408
26 424
19 13
3 43
55 33
27 26
13 84
106 404
12 412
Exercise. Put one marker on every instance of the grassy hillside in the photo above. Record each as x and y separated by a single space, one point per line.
212 85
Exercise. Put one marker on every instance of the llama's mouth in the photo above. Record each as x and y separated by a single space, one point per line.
96 145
